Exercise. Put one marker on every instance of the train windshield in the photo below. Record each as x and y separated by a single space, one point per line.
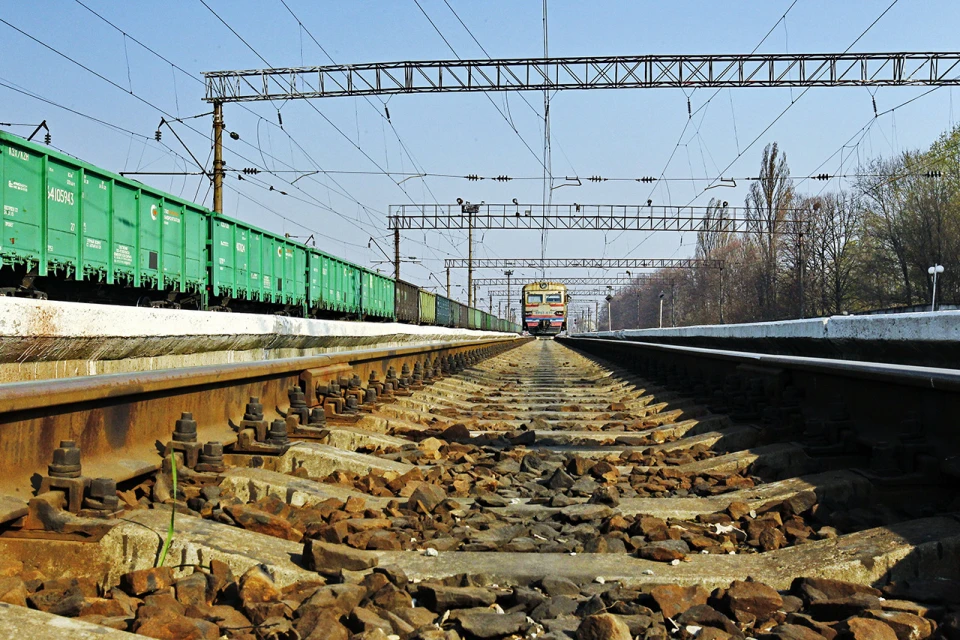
554 297
534 298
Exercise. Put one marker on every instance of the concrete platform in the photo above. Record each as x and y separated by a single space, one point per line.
43 339
925 339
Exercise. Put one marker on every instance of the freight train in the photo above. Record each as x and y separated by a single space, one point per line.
544 308
73 231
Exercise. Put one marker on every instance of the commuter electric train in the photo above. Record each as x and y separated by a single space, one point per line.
544 308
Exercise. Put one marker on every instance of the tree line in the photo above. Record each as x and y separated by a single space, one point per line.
864 248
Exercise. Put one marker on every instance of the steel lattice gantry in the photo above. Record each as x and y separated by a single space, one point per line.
583 263
603 217
582 282
576 292
592 72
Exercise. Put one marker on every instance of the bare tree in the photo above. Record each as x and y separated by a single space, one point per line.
841 215
766 206
883 198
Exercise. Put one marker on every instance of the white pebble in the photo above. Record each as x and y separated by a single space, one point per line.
704 552
573 553
430 552
675 561
647 572
600 580
692 629
753 514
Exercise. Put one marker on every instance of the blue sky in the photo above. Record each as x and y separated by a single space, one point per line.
628 133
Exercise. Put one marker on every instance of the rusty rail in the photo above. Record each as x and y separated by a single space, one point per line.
120 421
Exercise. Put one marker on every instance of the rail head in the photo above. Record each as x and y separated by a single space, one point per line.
940 379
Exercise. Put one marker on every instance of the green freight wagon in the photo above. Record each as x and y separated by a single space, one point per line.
444 311
406 302
376 295
456 314
428 307
250 265
65 217
334 285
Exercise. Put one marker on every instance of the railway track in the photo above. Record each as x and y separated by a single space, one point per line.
498 490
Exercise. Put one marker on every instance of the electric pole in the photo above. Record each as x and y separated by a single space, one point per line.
470 257
217 157
396 253
508 273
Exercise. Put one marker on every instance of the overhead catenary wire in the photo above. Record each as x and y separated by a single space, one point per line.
691 115
110 82
778 117
313 106
495 105
171 116
797 99
383 115
343 191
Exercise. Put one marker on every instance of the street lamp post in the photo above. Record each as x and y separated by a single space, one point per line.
934 270
661 309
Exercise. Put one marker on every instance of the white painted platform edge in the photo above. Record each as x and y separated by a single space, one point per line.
24 318
924 327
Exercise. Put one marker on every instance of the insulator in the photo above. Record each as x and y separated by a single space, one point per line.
874 98
251 171
689 109
47 138
387 112
473 177
157 135
280 118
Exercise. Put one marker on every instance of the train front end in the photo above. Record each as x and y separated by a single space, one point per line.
544 308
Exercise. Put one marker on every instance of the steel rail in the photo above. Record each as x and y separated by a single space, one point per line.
931 378
118 419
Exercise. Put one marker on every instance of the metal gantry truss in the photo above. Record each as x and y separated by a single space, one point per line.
591 72
582 282
584 263
602 217
574 292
